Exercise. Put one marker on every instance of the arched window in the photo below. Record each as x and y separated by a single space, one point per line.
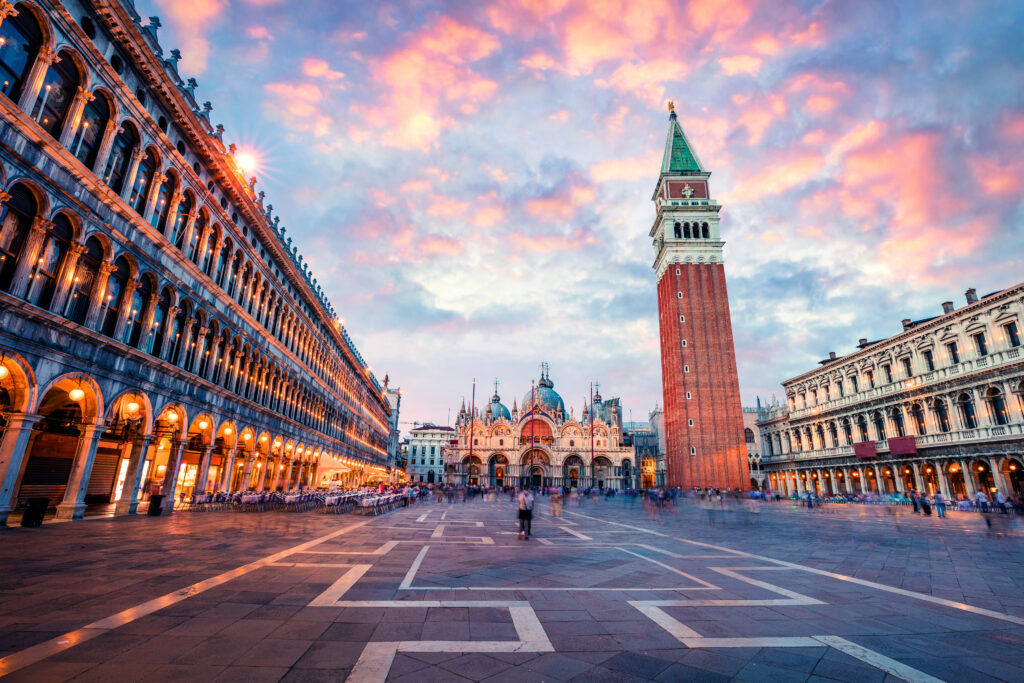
678 231
197 233
847 432
160 316
748 435
967 414
897 421
942 415
686 230
121 151
43 281
18 214
133 330
833 434
163 202
193 345
218 363
704 230
59 87
95 115
862 426
176 331
143 181
21 39
997 406
115 294
232 280
207 351
180 221
223 270
85 279
918 414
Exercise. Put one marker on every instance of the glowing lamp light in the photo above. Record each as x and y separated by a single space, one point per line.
265 439
132 407
4 372
76 395
246 437
204 424
228 430
172 417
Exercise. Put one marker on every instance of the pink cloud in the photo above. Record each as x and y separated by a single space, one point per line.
318 68
193 19
740 64
996 179
415 186
759 115
629 169
427 82
575 241
300 105
446 207
778 178
645 80
437 245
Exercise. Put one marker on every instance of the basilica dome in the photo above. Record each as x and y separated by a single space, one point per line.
546 397
498 409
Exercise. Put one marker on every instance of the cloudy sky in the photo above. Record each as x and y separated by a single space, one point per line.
472 181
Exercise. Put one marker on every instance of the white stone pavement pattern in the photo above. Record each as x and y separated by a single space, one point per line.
449 592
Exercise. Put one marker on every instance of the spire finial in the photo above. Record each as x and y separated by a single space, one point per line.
671 106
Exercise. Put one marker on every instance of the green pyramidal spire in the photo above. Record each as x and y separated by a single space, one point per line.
679 156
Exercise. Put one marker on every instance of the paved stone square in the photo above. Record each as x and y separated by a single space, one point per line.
448 592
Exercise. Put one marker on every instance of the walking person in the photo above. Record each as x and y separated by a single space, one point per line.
940 504
525 501
982 501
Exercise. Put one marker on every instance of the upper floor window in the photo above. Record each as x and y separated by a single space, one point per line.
21 40
163 202
871 378
929 360
980 344
887 369
954 352
1012 336
854 382
967 414
143 182
181 220
120 157
116 286
59 87
85 279
840 387
95 115
43 281
908 369
942 415
748 435
918 414
17 216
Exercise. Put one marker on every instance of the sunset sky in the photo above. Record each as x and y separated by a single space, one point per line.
471 182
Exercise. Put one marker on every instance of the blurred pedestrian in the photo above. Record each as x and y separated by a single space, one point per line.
525 501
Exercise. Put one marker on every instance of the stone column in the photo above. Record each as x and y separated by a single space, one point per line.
172 213
98 294
129 502
203 471
148 313
197 357
218 246
940 474
968 475
133 170
36 76
229 470
74 117
13 449
997 477
106 143
204 241
243 484
154 194
66 277
918 481
29 254
124 308
170 483
165 343
73 505
186 339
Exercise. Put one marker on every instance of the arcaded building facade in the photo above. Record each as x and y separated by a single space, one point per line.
159 333
541 443
937 407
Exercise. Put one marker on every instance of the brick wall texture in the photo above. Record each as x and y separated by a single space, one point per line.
710 357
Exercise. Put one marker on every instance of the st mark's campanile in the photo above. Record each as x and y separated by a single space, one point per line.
703 417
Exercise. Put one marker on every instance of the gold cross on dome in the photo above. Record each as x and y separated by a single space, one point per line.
687 191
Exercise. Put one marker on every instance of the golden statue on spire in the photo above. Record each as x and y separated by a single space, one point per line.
671 106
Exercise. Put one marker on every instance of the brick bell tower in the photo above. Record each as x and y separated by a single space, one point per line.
703 417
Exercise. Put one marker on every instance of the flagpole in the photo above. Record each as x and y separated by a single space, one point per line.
472 417
591 433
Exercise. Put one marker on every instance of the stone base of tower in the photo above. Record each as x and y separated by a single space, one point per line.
703 414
